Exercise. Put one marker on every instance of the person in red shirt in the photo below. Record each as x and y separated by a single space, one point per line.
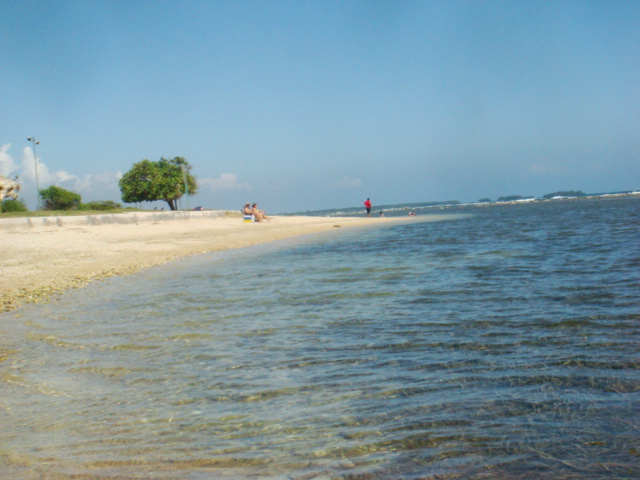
367 205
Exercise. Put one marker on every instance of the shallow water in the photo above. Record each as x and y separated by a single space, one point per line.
499 344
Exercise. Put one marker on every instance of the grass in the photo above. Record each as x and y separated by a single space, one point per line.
68 213
74 213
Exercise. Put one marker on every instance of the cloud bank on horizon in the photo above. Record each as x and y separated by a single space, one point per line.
313 105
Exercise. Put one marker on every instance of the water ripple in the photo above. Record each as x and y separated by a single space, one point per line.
500 345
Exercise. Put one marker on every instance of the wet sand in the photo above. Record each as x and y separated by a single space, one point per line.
41 257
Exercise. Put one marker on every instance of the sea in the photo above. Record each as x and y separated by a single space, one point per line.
472 342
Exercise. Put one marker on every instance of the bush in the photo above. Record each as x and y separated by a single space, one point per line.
57 198
14 206
102 205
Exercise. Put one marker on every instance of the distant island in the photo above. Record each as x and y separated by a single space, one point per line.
548 196
568 193
421 206
354 210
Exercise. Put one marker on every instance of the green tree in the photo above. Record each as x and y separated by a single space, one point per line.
139 183
149 181
57 198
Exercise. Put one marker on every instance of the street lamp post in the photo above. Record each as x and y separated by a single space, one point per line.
35 159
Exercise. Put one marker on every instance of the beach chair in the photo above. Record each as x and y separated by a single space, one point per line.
249 218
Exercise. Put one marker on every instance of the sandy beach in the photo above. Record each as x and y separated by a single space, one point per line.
41 257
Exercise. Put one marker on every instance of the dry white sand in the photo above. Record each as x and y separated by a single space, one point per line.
42 257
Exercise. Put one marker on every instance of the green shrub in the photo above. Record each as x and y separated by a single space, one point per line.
57 198
14 206
102 205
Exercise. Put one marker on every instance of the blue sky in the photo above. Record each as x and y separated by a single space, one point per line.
304 105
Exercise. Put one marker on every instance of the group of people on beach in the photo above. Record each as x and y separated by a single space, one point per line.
258 215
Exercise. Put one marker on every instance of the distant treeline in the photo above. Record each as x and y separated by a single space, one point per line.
568 193
351 210
414 206
514 198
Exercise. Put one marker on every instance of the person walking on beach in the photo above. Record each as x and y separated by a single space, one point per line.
367 205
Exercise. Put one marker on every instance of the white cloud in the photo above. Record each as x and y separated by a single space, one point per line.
28 167
226 181
103 186
62 176
45 176
7 164
347 182
105 183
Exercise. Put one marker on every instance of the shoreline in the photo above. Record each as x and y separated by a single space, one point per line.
42 257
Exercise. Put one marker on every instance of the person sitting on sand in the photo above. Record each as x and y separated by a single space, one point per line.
259 214
247 209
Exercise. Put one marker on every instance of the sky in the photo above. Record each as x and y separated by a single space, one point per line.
306 105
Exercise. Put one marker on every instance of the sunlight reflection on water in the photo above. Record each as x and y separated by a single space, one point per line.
503 343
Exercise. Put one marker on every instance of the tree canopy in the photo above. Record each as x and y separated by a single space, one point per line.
57 198
149 181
